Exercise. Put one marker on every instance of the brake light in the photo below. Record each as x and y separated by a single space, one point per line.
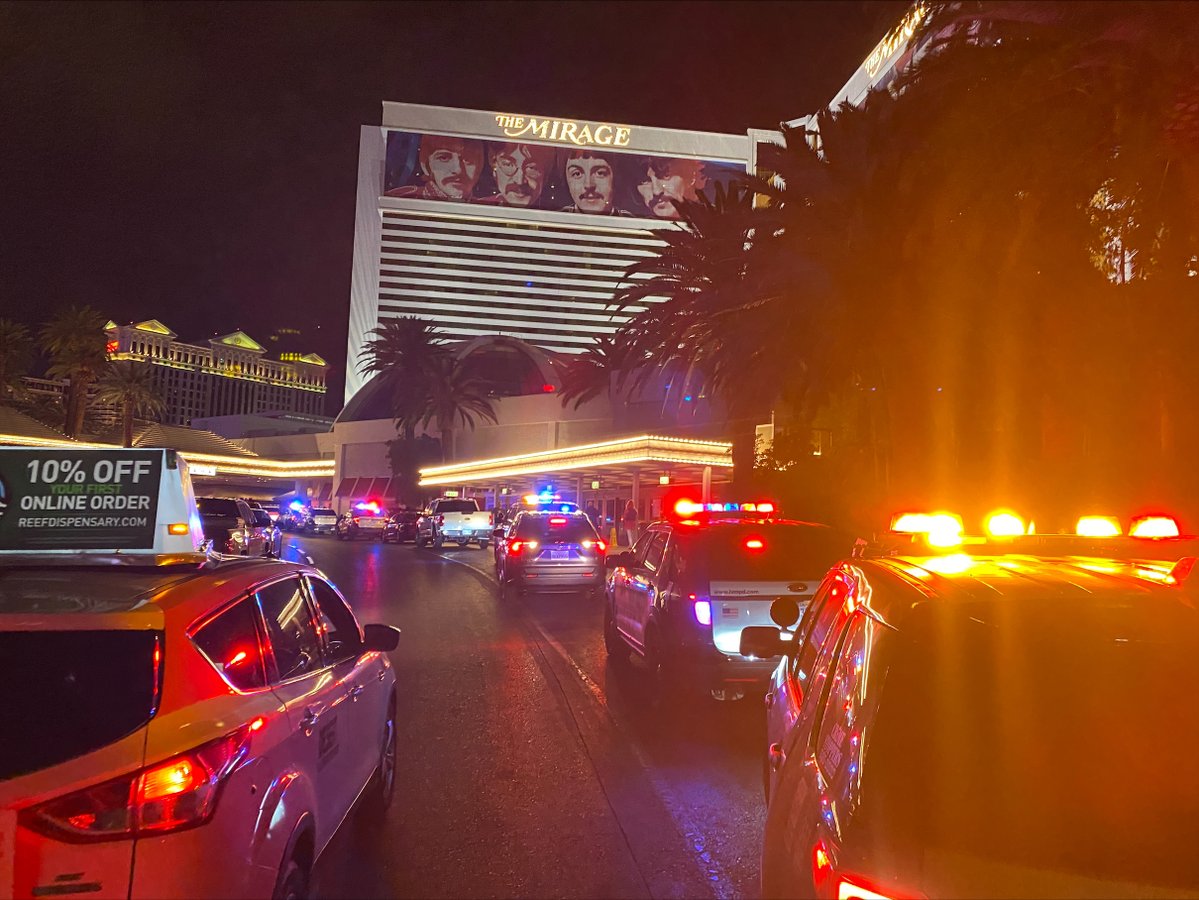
517 546
1154 527
703 610
833 885
588 543
1097 527
179 793
754 544
558 520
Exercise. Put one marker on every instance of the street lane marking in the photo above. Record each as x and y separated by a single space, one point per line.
718 881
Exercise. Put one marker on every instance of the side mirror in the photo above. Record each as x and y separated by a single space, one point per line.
784 612
380 637
762 642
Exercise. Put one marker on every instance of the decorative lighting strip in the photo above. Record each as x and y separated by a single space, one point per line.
646 448
225 465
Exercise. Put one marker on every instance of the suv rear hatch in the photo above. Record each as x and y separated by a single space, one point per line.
218 517
747 566
565 543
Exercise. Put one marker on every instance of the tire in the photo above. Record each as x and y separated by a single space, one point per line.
381 790
292 883
483 545
438 543
462 545
614 644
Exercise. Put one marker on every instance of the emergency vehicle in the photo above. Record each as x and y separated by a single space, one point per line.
177 724
960 715
680 597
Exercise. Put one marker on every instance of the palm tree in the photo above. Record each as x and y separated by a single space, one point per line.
131 386
708 310
455 398
16 344
406 352
76 341
595 372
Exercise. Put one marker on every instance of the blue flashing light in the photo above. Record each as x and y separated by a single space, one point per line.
687 398
296 505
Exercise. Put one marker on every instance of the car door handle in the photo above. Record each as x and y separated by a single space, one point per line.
308 723
355 693
769 699
776 756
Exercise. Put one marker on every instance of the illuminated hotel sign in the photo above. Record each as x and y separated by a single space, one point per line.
897 38
581 134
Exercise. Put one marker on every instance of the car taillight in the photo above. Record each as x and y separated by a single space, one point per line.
517 546
588 543
833 885
181 792
703 609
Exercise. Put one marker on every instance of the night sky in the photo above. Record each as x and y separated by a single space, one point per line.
196 163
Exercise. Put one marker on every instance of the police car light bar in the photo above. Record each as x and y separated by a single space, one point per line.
687 508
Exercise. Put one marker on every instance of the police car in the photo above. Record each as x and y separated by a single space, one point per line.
682 595
1009 715
176 724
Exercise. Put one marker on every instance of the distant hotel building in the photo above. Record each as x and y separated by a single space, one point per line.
500 223
229 375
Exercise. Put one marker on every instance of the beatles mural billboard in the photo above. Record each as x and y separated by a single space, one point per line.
588 174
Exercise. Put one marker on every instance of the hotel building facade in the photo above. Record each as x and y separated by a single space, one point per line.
492 223
228 375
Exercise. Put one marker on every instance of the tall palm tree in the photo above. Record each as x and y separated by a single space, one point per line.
130 386
407 352
16 346
707 309
76 341
595 372
456 398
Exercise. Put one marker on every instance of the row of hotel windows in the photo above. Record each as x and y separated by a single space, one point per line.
250 368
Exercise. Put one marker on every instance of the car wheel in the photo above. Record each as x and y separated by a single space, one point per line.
382 787
292 883
657 658
614 644
483 545
438 543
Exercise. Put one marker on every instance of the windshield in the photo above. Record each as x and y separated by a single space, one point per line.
787 552
217 506
1059 735
457 506
70 692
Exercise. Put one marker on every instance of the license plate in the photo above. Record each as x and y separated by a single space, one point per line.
559 554
8 851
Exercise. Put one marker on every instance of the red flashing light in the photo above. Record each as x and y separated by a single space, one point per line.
755 544
834 885
257 724
558 520
547 388
687 507
1154 527
516 546
238 657
111 347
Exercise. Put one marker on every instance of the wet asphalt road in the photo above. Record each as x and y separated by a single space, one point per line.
530 767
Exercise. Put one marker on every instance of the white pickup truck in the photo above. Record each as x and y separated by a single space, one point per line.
454 519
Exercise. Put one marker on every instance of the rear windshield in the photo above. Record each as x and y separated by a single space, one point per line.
787 552
457 506
216 506
576 528
1062 738
66 693
323 512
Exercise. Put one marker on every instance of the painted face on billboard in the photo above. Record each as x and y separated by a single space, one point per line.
590 182
663 183
519 171
451 166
